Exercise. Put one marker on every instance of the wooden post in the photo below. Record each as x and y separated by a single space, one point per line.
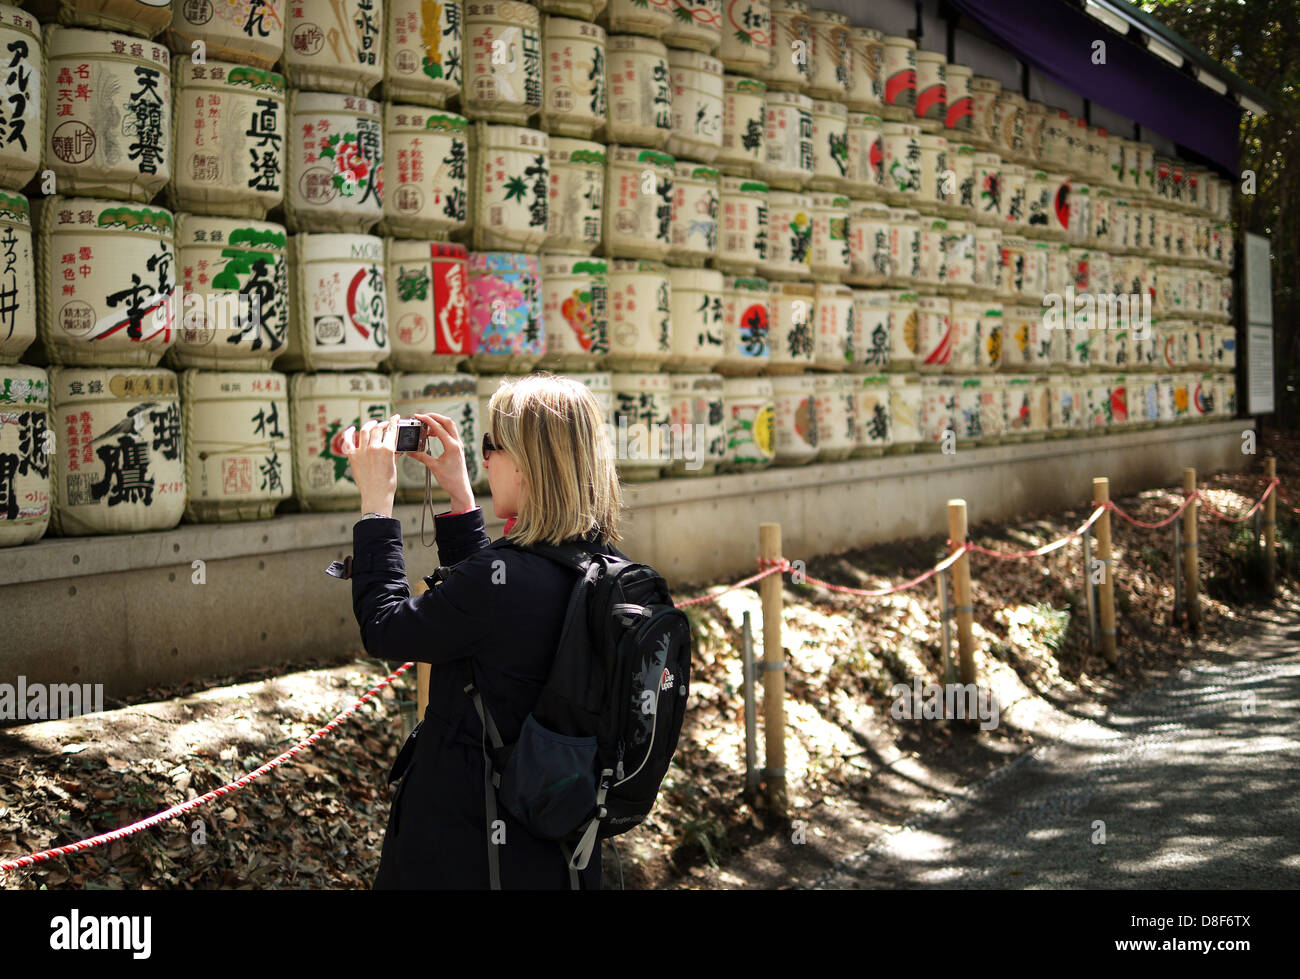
961 592
769 548
1191 598
1270 526
1101 496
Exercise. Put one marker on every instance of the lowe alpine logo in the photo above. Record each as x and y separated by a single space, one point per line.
667 682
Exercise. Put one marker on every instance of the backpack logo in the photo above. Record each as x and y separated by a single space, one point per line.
667 682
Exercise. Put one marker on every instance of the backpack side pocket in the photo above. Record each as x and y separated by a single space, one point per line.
549 783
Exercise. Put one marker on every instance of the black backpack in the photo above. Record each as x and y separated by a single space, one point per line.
592 754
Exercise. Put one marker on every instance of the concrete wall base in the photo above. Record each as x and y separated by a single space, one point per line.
125 610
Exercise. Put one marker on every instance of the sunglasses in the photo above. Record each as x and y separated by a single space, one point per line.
488 446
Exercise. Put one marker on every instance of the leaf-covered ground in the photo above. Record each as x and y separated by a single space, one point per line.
318 821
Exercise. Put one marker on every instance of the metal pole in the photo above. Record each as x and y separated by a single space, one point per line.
751 722
1270 526
946 614
1087 585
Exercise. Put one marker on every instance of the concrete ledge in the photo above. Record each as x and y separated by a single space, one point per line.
123 610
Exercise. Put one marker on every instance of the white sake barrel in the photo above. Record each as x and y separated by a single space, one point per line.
906 396
696 298
640 91
28 438
453 395
790 246
930 237
1120 220
961 160
836 411
865 169
638 224
743 114
1226 342
743 240
696 25
869 255
1079 160
967 417
866 70
640 311
1060 268
322 407
230 133
934 162
249 34
1040 202
428 305
794 315
649 17
1095 393
601 386
426 193
985 93
1202 397
1119 394
833 327
831 61
234 276
1040 407
694 228
988 261
1131 162
338 317
21 97
1065 410
938 420
238 454
749 413
791 36
898 97
1080 212
989 204
118 465
107 291
830 146
575 211
1054 146
1035 120
992 410
1115 162
959 258
1014 205
902 162
931 91
966 324
1025 347
334 45
990 340
17 278
788 158
698 422
933 334
796 419
829 256
509 187
505 312
1017 399
1012 274
746 325
116 139
424 49
1164 179
504 72
870 347
576 102
136 17
903 330
336 163
642 424
697 105
959 112
871 414
904 247
575 309
1037 266
746 41
1011 110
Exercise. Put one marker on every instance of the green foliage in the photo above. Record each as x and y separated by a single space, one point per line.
1260 41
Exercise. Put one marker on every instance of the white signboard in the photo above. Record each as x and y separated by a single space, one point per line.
1258 279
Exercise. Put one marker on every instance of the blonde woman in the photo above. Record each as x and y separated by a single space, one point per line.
552 475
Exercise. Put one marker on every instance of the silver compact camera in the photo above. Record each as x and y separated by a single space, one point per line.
411 435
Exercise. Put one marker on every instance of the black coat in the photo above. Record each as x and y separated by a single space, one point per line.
503 609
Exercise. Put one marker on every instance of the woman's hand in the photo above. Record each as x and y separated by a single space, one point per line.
449 468
372 457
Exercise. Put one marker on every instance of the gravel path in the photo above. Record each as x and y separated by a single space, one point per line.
1196 784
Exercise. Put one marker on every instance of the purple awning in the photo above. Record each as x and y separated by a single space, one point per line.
1057 39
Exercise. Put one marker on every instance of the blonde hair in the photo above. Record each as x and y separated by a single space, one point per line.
555 432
